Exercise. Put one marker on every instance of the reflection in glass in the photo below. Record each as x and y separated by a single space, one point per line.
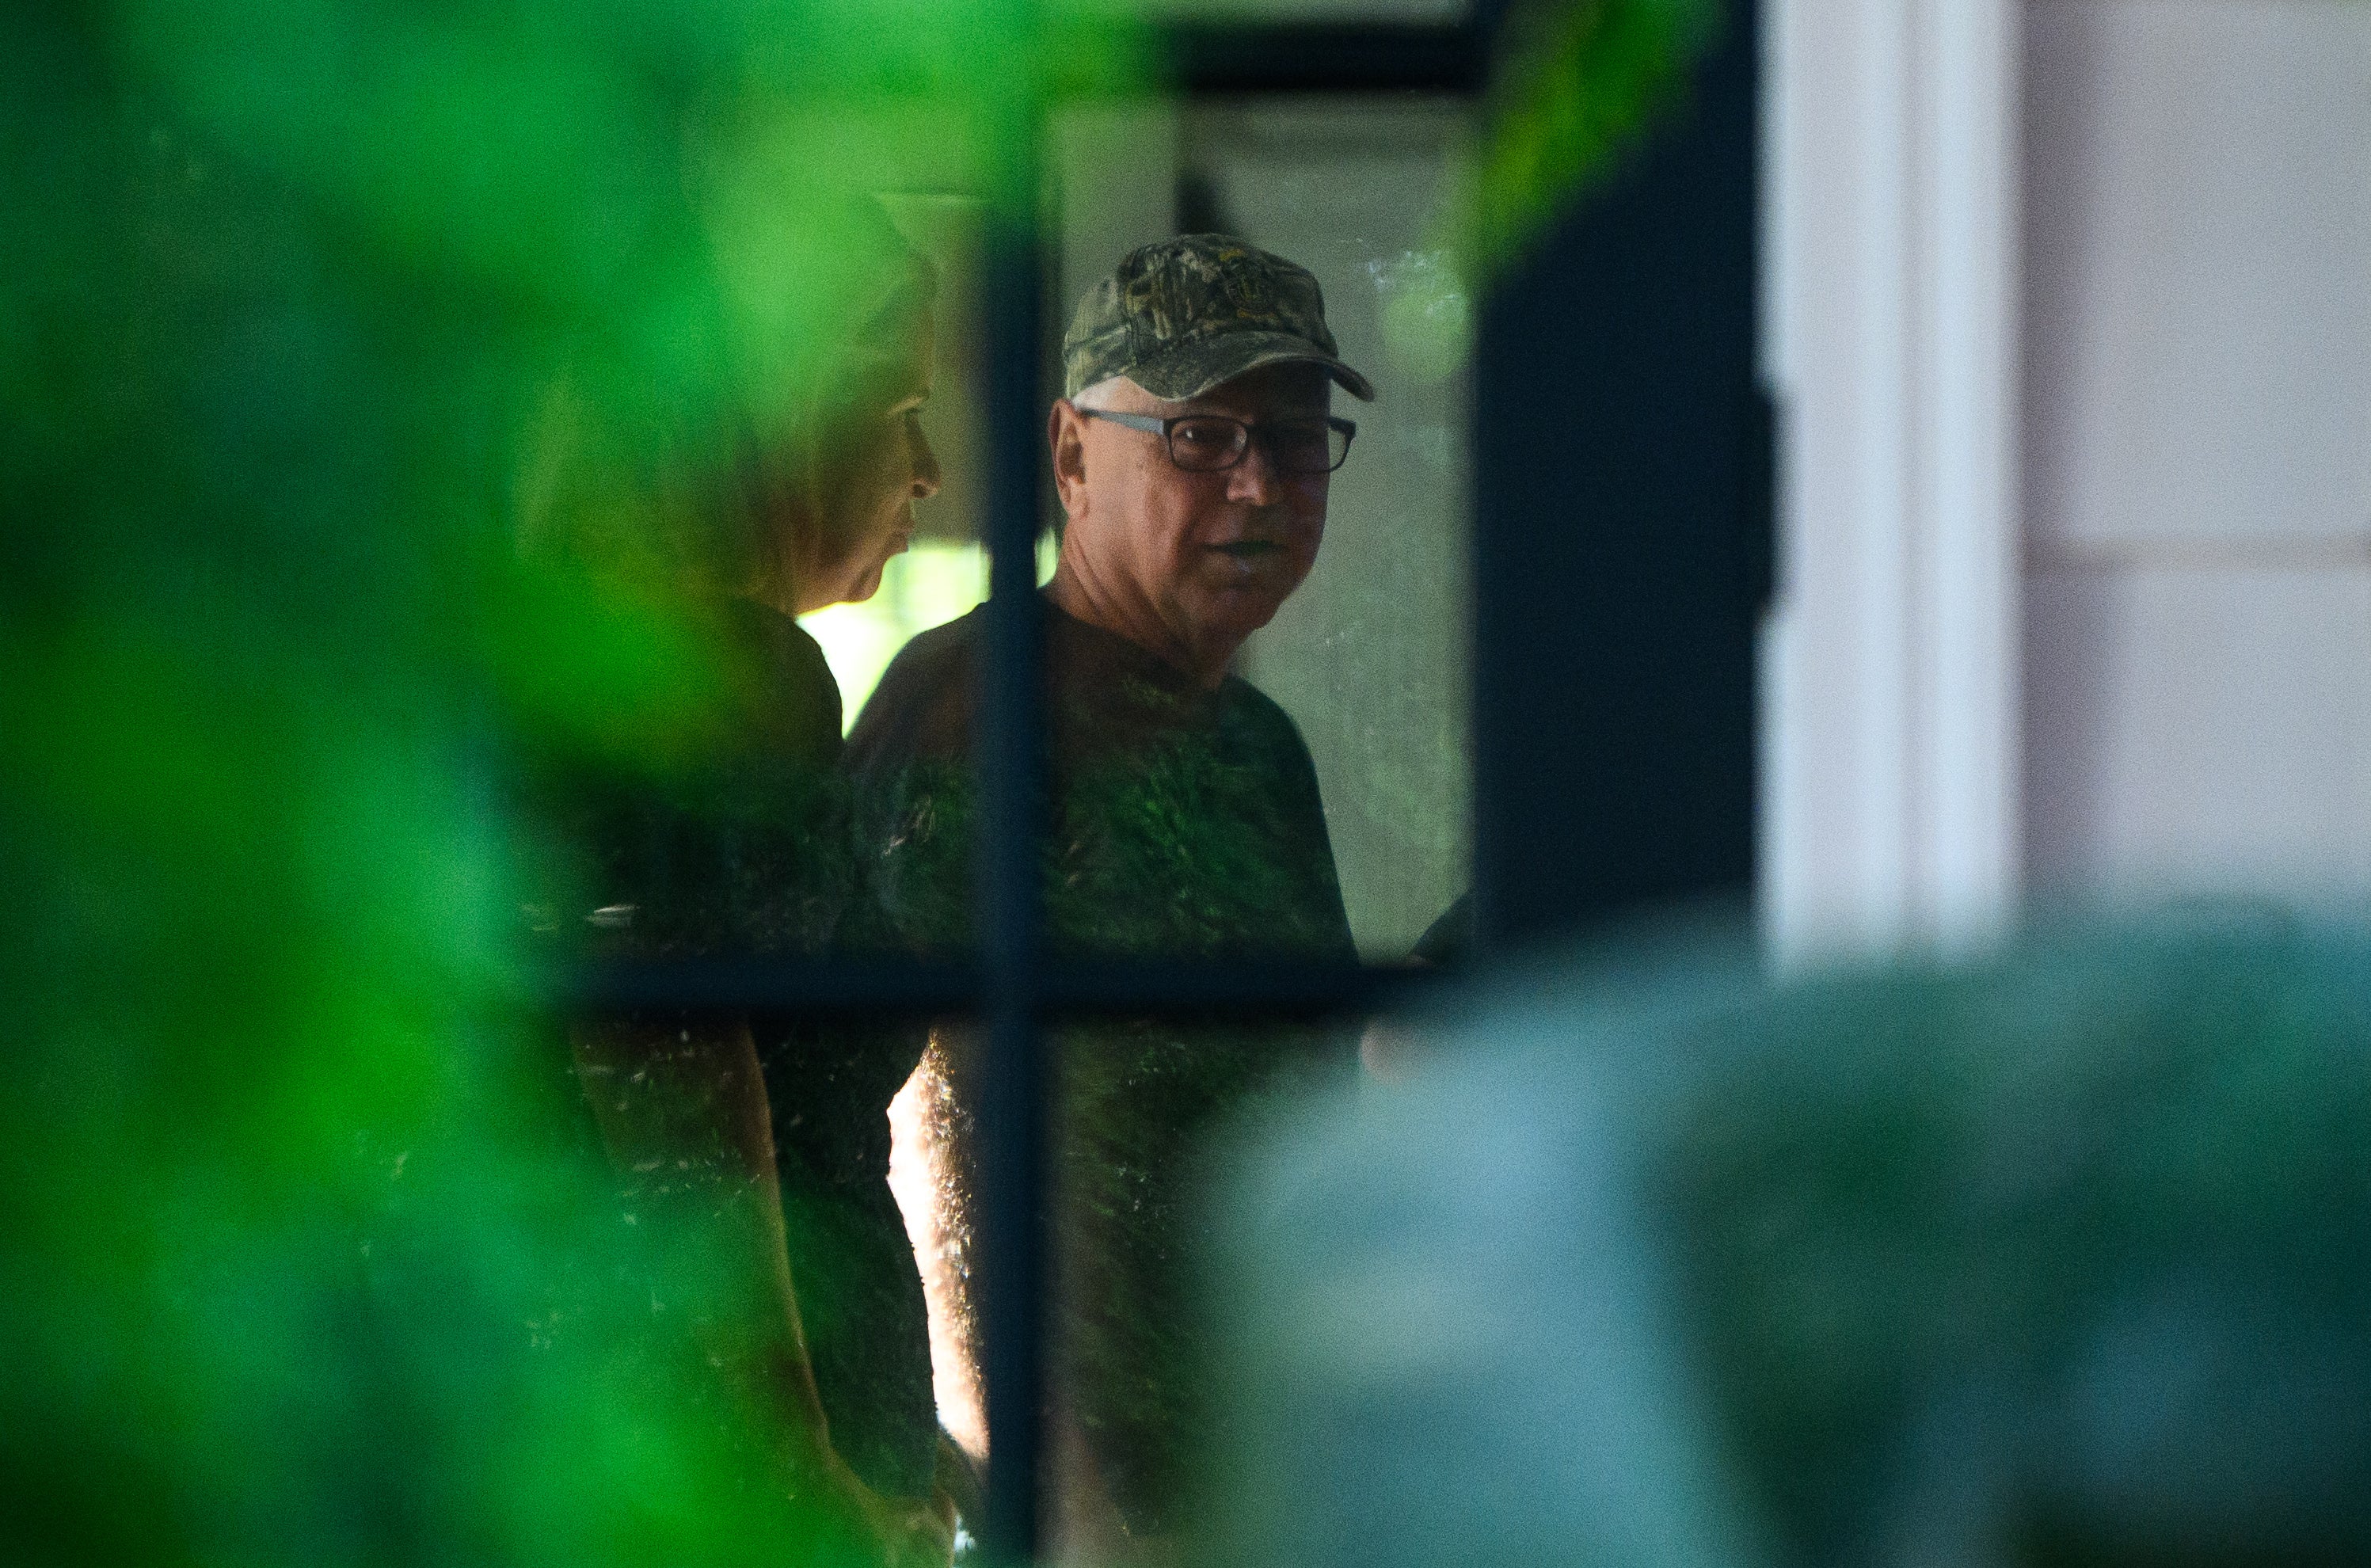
1370 658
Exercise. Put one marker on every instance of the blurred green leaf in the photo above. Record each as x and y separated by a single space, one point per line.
1581 83
308 309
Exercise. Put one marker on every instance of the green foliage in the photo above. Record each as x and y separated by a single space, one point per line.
2050 1258
1582 82
2119 1173
309 1260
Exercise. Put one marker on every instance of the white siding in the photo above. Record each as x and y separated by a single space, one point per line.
2202 727
2198 444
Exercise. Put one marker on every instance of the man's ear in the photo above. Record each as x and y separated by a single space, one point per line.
1066 433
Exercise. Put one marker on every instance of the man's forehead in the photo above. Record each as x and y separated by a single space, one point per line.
1269 387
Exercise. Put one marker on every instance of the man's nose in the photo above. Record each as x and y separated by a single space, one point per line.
926 476
1255 479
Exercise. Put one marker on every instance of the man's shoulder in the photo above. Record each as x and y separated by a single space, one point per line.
1254 702
1261 716
923 705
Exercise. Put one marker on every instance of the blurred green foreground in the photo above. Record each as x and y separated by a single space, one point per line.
2058 1257
304 1262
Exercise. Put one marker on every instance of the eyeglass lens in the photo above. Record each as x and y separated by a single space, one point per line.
1295 446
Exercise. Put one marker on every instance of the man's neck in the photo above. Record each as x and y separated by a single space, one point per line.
1078 593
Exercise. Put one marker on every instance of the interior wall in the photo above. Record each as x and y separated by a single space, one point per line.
2198 446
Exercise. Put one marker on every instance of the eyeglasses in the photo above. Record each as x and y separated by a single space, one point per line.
1208 444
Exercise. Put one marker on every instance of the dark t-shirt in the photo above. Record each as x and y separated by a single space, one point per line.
1184 822
742 848
735 844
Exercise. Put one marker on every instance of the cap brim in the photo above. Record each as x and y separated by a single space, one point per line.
1191 369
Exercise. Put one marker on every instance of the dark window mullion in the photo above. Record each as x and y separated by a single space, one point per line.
1149 986
1009 755
1326 58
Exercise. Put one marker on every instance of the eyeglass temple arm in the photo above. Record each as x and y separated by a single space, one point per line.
1134 421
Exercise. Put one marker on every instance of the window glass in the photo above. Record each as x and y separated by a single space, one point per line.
1334 759
1299 794
1368 657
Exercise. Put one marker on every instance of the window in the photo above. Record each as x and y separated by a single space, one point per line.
1534 612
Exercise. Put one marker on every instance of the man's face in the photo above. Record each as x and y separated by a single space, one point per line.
1210 556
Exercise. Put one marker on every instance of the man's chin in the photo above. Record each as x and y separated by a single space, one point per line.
1230 615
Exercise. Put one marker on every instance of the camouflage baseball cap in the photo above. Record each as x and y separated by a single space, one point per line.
1180 315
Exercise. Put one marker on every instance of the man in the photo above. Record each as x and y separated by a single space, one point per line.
1193 453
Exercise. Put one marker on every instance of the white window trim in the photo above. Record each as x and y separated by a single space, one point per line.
1890 744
